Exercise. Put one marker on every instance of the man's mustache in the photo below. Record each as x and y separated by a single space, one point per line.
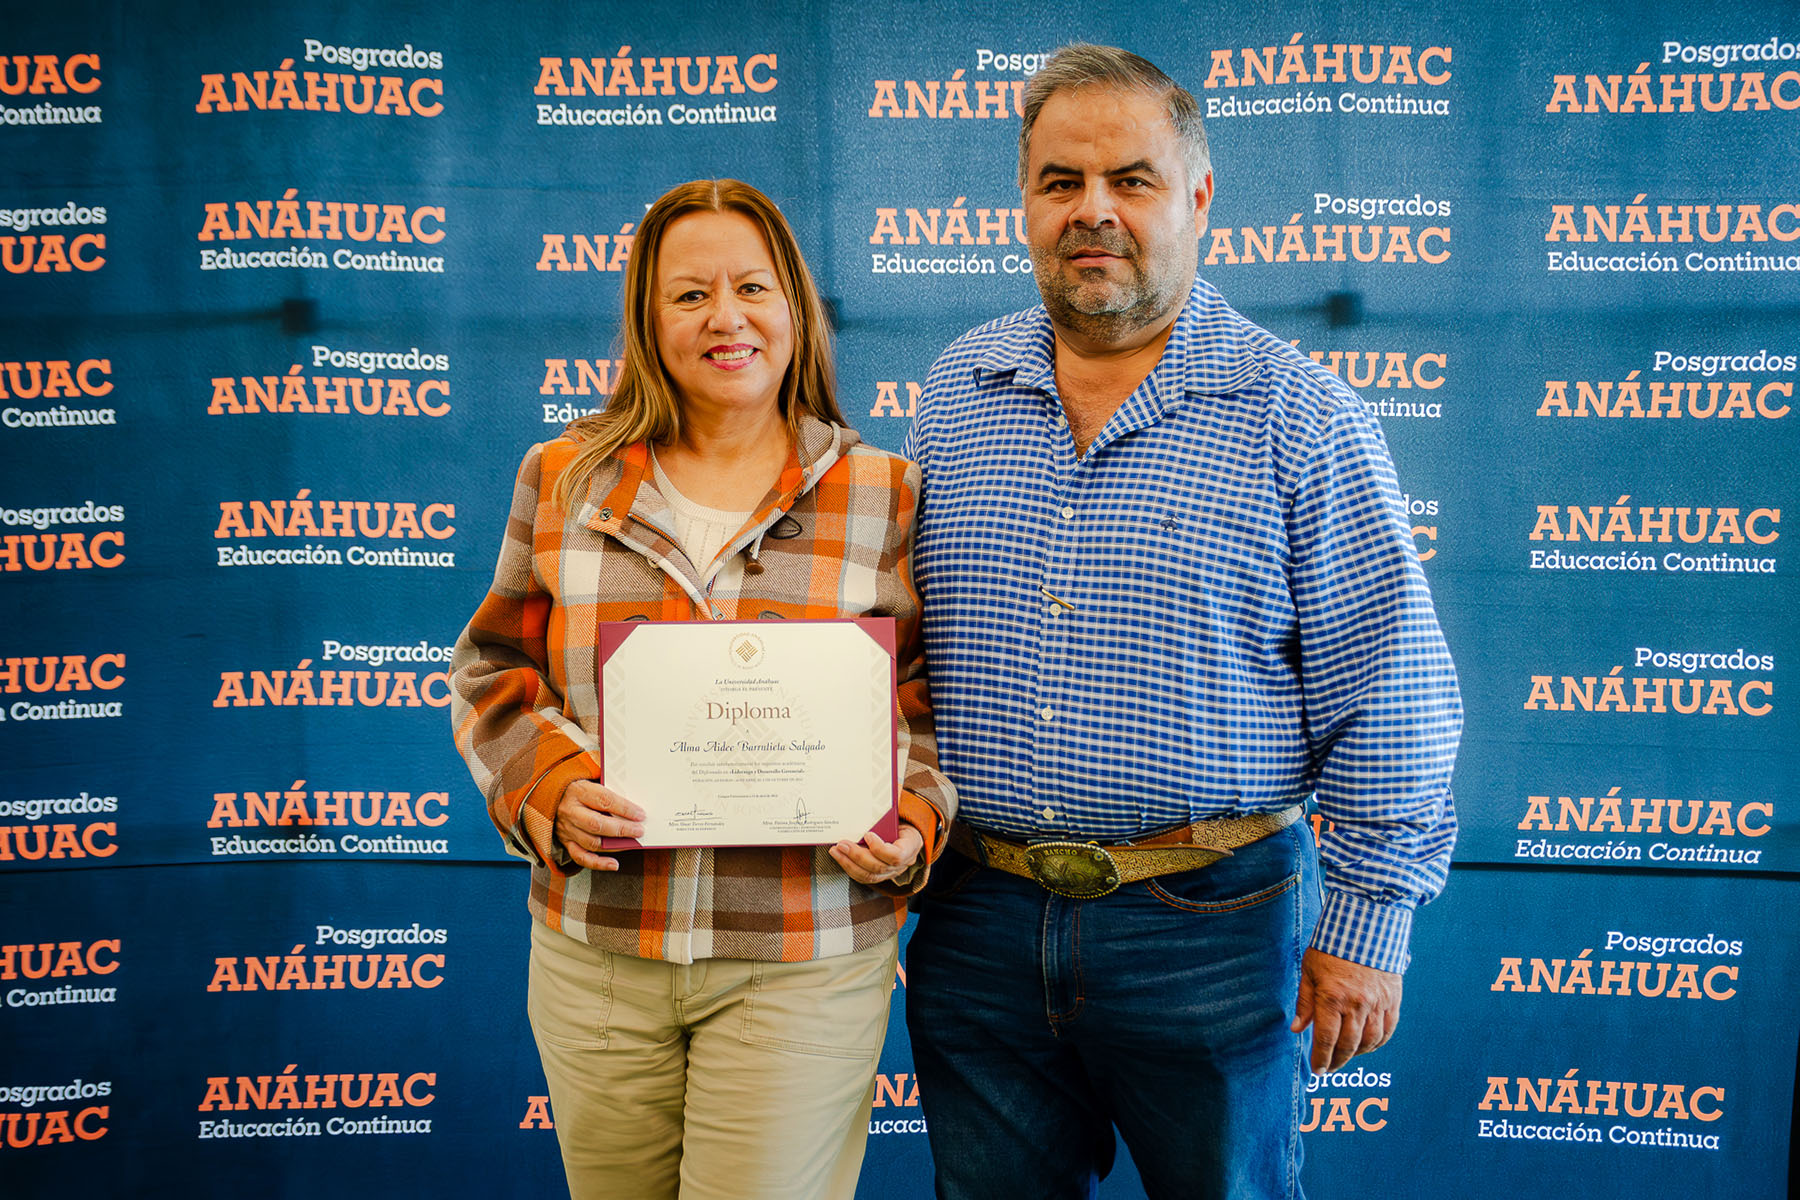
1110 241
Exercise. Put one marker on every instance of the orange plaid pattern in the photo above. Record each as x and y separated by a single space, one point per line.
833 538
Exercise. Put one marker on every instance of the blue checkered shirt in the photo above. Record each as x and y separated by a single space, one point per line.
1217 610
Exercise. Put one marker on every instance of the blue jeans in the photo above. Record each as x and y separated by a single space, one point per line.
1040 1023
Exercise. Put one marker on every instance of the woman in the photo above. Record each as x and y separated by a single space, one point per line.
709 1020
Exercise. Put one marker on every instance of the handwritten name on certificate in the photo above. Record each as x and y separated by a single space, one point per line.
751 733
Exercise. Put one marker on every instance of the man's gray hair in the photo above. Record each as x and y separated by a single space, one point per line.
1082 64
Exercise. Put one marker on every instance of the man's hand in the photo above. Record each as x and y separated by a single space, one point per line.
1353 1009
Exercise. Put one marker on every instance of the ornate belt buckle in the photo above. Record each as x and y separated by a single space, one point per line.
1078 870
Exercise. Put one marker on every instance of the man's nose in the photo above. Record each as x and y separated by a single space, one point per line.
1094 207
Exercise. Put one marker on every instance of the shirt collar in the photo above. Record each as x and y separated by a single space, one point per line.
1207 354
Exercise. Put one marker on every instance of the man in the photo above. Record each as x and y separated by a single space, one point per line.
1169 594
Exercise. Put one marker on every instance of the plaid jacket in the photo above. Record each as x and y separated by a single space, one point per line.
834 539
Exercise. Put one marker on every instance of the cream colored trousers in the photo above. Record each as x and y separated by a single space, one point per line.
720 1080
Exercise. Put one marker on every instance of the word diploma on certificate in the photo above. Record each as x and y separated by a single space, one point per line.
751 733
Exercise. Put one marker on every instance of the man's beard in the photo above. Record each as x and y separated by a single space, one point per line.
1101 307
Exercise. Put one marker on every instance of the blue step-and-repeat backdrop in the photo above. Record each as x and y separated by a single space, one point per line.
287 289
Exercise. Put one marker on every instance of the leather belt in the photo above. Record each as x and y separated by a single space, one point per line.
1087 870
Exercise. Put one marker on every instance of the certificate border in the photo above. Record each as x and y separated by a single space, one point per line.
613 634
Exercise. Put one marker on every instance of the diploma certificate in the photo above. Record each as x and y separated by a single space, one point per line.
751 733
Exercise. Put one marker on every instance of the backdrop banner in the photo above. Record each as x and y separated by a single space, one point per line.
288 289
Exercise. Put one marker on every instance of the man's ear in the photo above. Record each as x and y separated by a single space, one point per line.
1203 192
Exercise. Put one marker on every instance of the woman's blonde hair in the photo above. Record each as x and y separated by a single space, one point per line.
645 403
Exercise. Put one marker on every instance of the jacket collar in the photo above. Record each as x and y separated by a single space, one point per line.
622 494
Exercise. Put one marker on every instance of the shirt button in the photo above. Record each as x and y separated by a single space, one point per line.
1047 713
1068 513
1049 814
